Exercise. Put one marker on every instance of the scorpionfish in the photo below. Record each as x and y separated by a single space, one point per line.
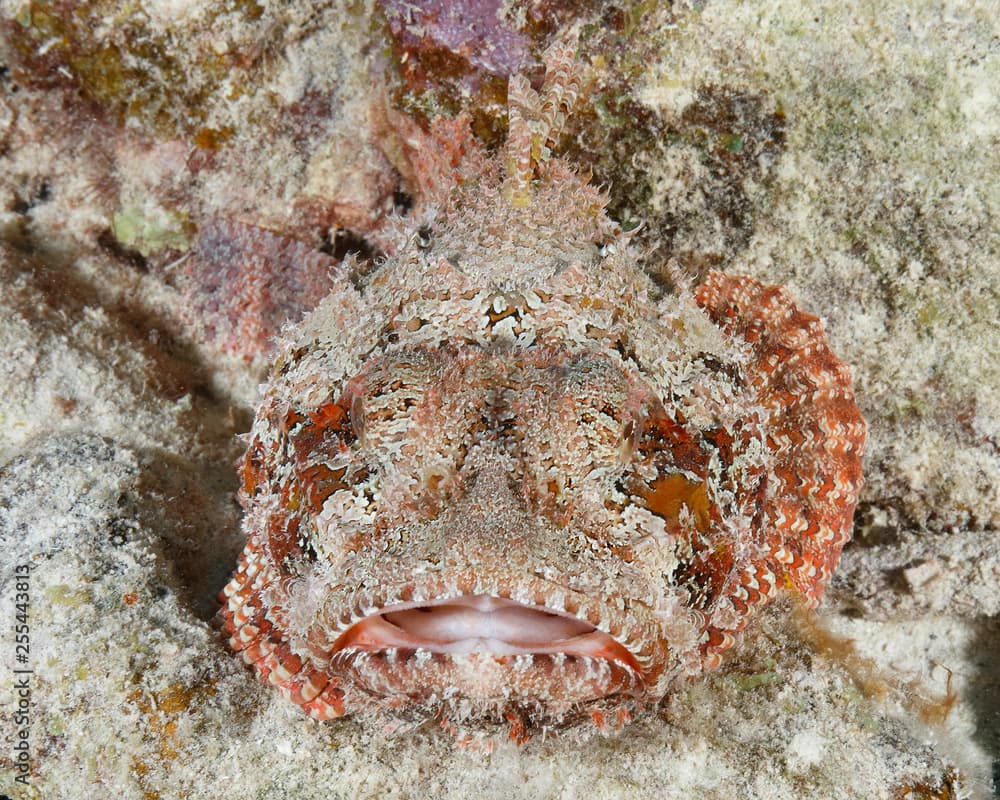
504 480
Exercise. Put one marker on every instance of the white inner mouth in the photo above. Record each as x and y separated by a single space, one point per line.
484 624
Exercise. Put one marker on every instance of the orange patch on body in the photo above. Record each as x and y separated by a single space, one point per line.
669 493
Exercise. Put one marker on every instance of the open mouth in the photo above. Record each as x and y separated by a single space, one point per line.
482 624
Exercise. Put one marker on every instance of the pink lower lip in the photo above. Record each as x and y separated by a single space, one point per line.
481 623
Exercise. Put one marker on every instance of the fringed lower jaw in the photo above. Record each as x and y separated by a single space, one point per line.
482 656
478 656
522 654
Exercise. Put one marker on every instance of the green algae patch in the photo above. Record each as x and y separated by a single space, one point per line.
151 234
62 595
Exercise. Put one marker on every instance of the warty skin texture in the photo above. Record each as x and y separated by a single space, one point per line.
507 481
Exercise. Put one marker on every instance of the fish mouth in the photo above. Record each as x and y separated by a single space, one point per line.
483 624
450 646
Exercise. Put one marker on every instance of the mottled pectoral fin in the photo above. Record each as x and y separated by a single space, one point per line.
815 432
251 633
242 283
